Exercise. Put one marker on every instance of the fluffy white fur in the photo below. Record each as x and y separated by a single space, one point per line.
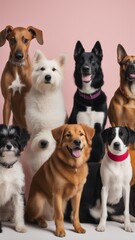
45 107
34 154
11 186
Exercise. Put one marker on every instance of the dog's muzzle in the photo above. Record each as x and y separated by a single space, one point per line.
130 73
76 150
86 74
48 79
116 146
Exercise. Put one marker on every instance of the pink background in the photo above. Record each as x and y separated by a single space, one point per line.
64 22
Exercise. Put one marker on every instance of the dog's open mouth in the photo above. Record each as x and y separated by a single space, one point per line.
86 78
132 76
75 152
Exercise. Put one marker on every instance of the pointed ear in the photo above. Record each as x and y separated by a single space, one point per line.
97 50
4 34
61 60
37 57
104 135
121 53
78 50
89 132
58 133
36 33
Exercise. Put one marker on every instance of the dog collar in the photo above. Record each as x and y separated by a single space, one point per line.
90 96
118 158
6 165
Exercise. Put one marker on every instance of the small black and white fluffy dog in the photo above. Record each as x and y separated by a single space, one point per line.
90 105
112 176
12 142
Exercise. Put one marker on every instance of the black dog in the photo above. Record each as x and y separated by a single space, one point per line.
90 206
90 105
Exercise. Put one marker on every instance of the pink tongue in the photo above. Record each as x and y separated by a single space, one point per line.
86 78
132 75
76 153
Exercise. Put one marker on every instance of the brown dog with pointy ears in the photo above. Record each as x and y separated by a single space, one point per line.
62 177
16 77
122 106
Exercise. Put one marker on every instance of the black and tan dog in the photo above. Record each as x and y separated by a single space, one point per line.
122 106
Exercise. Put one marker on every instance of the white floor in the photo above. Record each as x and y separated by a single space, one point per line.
114 231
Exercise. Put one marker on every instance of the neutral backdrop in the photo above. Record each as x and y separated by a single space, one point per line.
64 23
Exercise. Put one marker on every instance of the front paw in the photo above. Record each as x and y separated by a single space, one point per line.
100 228
79 229
128 228
60 232
20 229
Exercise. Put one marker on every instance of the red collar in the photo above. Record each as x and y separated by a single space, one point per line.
118 158
90 96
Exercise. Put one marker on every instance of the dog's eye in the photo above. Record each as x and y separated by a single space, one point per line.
68 135
81 134
93 64
53 69
42 68
25 40
13 41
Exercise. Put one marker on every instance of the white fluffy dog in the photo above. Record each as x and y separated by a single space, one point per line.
45 107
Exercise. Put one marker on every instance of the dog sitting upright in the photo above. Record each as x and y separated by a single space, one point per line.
45 107
90 105
12 142
16 77
62 177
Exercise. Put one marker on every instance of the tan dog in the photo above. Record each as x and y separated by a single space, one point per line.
62 177
122 106
16 77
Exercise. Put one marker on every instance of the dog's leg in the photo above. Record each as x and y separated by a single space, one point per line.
0 227
75 201
7 110
19 213
102 223
58 214
126 194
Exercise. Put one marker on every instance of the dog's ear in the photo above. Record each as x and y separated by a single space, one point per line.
61 60
97 50
131 135
104 135
4 34
121 53
24 137
37 57
89 132
58 133
36 33
78 50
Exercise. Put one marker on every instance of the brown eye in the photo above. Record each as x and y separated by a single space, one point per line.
25 40
13 41
53 69
81 134
42 68
68 135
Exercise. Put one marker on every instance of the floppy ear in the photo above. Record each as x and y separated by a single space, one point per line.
121 53
36 33
58 133
131 135
104 135
24 136
78 49
4 33
89 132
97 50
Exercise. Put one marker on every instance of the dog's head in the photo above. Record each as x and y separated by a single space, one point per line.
127 65
47 74
117 139
19 40
88 72
12 142
74 143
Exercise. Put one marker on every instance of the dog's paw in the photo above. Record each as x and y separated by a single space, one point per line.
79 229
128 228
100 228
20 229
60 232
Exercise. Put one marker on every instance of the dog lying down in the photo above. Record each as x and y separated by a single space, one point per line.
62 177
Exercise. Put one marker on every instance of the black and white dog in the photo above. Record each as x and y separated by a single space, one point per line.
12 142
111 177
90 105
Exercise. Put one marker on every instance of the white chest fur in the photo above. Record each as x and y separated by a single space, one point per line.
16 85
90 117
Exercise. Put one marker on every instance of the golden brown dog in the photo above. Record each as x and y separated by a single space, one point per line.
62 177
122 106
16 77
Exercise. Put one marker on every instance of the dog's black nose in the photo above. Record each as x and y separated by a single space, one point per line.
19 55
8 146
85 69
116 145
44 144
77 142
132 67
47 78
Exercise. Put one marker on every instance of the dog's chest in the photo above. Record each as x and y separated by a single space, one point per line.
16 85
90 117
